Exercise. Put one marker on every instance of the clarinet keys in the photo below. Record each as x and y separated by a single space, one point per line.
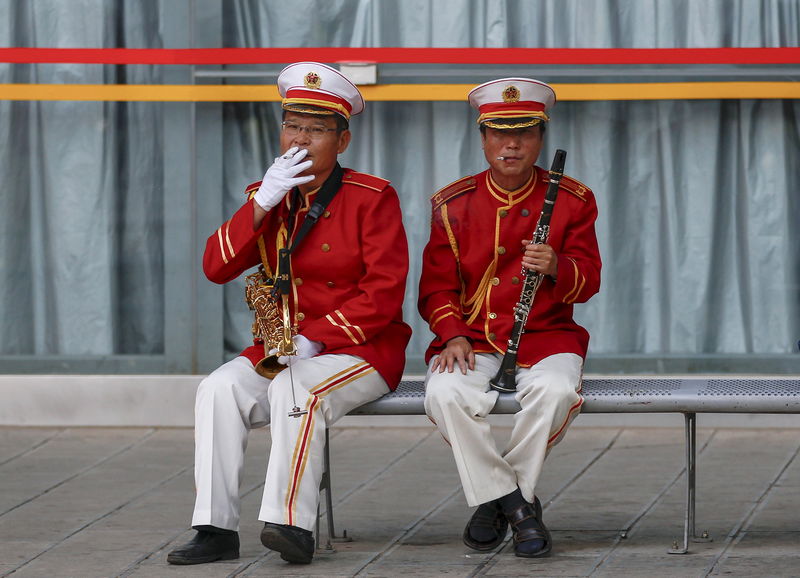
505 379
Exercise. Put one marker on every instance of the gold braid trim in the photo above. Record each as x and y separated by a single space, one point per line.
263 250
498 126
330 107
451 237
472 306
525 116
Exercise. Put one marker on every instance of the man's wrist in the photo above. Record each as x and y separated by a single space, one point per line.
460 337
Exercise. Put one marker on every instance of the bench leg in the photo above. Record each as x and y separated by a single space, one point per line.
691 462
325 488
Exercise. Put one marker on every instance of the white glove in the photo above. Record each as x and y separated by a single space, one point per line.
282 177
305 350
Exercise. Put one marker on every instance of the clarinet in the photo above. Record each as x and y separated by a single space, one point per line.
505 380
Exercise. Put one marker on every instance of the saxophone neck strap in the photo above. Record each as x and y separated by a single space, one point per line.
323 198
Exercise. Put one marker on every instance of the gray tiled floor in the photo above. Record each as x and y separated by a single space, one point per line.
111 502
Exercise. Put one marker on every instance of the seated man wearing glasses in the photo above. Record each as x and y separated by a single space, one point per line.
344 283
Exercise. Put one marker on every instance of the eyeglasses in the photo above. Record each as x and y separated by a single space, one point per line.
315 131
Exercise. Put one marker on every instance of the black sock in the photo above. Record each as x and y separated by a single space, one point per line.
511 502
213 530
483 533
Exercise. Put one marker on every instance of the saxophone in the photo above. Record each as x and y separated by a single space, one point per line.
272 323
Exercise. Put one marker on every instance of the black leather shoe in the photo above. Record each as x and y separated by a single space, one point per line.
206 547
295 544
531 537
486 528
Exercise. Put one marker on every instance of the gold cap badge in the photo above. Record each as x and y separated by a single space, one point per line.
312 80
511 94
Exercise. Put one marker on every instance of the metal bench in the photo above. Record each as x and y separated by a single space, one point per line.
618 394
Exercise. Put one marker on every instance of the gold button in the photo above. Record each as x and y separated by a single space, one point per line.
495 281
503 213
326 214
330 283
298 281
525 212
501 250
301 316
515 280
325 247
491 336
492 315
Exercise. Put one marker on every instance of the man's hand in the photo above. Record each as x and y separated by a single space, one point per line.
305 350
540 258
458 350
282 177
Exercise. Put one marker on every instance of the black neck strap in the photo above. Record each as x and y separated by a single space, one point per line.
325 195
322 199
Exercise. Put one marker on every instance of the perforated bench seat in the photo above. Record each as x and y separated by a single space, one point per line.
635 395
628 394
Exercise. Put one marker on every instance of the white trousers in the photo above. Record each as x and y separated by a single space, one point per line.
549 396
235 399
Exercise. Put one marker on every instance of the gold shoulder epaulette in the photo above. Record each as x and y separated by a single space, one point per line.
453 190
575 187
365 180
251 190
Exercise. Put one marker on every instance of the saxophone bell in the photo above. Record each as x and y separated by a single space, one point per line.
269 366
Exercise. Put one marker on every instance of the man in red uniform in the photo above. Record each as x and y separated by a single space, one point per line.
471 280
348 280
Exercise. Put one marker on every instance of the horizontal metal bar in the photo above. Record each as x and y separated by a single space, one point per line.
63 364
397 92
454 73
597 364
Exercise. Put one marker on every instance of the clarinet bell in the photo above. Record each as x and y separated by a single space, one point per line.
505 381
297 412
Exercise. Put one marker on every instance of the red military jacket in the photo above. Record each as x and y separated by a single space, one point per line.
471 271
349 272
